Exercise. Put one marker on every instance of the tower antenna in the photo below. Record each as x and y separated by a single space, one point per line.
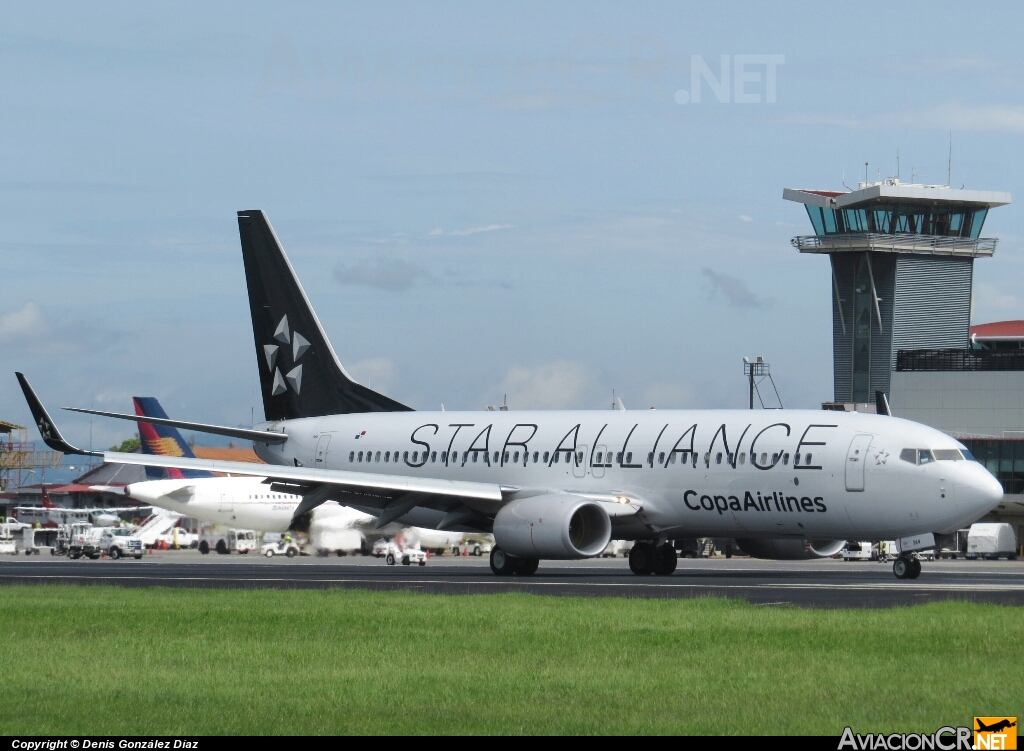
897 165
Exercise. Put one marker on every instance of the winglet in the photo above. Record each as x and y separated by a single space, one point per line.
47 429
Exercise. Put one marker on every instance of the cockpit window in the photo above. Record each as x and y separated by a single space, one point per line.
968 455
924 456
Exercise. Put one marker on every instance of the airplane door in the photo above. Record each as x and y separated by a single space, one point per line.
320 459
227 502
600 459
855 462
579 464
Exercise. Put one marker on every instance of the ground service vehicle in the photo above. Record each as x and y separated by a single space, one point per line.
36 539
226 542
860 551
284 546
991 541
406 557
118 542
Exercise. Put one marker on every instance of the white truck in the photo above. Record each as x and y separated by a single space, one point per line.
83 540
473 547
405 556
226 542
8 545
118 542
991 541
860 551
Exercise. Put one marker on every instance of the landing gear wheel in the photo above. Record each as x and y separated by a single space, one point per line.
915 568
526 566
502 563
643 558
222 547
204 547
901 568
665 561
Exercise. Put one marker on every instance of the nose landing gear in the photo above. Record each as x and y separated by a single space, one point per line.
906 567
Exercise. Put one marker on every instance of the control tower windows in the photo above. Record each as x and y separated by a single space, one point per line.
915 218
862 332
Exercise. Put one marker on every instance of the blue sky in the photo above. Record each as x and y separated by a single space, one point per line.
480 199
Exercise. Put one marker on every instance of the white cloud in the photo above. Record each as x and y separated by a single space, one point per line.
952 115
477 230
745 218
435 232
24 324
375 373
556 385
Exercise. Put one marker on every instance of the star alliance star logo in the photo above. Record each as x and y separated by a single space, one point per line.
881 456
44 428
299 344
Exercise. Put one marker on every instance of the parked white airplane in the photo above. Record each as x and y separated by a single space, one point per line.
49 512
561 484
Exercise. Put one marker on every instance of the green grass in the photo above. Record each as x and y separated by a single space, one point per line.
100 660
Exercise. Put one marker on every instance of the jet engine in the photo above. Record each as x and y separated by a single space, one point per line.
552 526
790 548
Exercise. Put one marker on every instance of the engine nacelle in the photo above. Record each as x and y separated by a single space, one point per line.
790 548
552 526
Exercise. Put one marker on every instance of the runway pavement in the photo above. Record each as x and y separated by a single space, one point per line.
826 583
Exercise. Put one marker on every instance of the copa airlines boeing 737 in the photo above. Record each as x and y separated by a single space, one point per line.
561 484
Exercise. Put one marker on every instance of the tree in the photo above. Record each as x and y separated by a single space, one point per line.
128 446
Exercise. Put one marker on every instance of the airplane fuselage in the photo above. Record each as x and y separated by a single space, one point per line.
817 474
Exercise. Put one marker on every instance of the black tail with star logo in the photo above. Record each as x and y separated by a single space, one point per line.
300 375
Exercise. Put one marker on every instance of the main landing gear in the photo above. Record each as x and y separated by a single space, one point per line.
504 564
647 558
906 567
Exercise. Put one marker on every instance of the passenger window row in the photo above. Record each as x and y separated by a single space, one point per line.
914 456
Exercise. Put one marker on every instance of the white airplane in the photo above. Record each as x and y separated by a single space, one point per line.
561 484
49 512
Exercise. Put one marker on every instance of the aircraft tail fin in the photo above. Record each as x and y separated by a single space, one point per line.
300 375
47 503
162 440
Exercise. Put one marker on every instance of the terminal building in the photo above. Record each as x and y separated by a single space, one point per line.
902 265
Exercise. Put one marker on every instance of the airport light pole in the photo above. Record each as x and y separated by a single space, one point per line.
756 369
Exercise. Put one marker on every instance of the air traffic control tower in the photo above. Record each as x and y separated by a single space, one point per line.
902 261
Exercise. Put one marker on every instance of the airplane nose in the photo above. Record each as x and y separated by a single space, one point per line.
979 492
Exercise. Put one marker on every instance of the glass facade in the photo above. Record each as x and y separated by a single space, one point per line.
862 312
944 220
1003 457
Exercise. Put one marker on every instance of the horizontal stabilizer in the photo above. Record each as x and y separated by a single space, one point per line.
256 436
